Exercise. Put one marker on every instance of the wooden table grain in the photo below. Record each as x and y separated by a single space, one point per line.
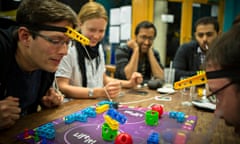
222 134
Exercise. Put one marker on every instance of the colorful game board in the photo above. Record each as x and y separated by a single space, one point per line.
90 132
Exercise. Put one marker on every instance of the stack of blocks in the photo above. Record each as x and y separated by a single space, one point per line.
111 125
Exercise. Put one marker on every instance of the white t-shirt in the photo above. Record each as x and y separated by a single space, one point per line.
69 68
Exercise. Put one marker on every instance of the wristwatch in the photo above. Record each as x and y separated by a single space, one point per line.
90 92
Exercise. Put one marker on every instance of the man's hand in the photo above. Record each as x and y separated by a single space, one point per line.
133 44
136 79
9 112
52 98
150 51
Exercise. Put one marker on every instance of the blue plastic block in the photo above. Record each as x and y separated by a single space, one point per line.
69 119
114 114
153 138
90 112
121 118
47 131
81 117
180 117
172 114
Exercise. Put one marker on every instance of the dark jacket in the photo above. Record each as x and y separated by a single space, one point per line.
123 55
8 47
187 60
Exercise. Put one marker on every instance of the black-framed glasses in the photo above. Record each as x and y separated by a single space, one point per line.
55 42
143 37
212 96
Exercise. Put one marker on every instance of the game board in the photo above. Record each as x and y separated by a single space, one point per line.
90 132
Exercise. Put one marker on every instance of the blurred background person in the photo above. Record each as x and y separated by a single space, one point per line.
190 56
138 55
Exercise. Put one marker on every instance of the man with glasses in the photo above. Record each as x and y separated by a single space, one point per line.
30 53
223 74
190 56
138 55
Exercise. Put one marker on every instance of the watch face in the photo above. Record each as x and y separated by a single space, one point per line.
90 92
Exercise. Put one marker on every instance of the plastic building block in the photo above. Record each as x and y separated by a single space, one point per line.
123 138
102 108
180 116
77 36
172 114
104 102
111 104
69 119
115 105
153 138
36 137
180 138
81 117
117 116
90 112
113 124
46 131
121 118
158 108
151 118
108 134
44 140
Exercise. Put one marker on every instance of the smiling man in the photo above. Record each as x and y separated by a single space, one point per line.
29 55
223 74
138 55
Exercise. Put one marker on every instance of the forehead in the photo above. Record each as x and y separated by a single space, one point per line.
95 22
202 28
146 31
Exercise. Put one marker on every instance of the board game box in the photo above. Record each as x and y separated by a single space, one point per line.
89 129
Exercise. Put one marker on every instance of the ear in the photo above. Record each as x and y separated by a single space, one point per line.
195 35
24 35
219 33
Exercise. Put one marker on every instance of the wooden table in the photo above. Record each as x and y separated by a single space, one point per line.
221 135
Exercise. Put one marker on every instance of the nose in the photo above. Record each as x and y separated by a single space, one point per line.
205 37
96 35
64 49
147 41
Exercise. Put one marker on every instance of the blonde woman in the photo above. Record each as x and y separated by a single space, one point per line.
82 72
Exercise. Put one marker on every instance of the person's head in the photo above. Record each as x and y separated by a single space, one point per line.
93 22
236 20
206 30
223 74
145 33
41 39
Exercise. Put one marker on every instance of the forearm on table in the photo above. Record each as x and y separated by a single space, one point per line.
157 71
82 92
